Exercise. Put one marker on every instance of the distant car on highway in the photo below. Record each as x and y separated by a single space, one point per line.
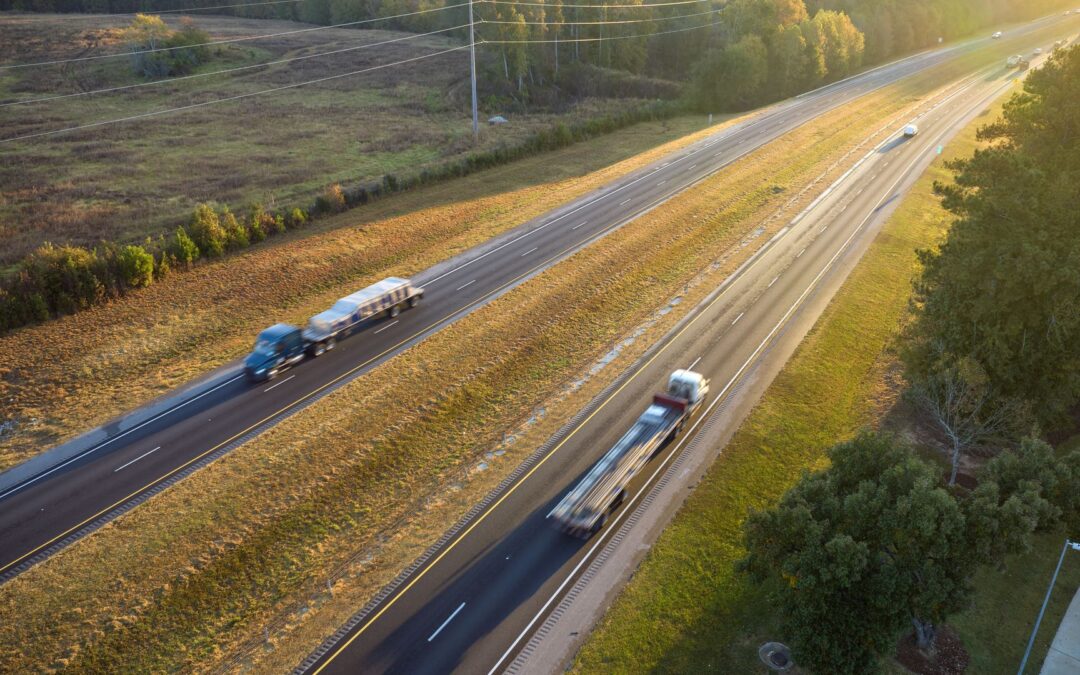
1024 64
910 130
1013 61
996 35
1038 50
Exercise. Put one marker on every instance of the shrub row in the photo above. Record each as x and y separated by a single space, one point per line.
56 280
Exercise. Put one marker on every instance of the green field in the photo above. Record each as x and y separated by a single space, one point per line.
125 181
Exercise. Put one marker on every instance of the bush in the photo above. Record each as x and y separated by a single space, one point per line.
65 277
207 232
136 266
236 234
331 201
260 223
297 218
182 248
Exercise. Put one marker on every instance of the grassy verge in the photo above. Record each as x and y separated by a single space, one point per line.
686 610
188 579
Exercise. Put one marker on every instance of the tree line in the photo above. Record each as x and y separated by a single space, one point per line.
881 542
759 49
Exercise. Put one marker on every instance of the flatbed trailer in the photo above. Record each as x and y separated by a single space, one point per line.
584 510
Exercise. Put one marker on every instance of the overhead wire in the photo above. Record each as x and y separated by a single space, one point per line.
598 39
237 97
227 70
245 38
599 23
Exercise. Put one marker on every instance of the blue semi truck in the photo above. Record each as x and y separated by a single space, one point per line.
282 345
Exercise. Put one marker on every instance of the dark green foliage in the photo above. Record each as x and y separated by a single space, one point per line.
1004 288
136 266
65 276
1035 463
875 544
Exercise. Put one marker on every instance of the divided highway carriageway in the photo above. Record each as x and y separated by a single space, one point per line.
56 506
491 597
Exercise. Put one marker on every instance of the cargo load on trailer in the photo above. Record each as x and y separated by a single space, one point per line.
585 509
282 345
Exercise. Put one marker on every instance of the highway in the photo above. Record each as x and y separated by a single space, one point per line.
472 606
52 510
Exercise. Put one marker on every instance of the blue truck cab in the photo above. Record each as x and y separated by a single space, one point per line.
277 348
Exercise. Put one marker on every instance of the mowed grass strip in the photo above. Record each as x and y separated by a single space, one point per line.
171 584
686 609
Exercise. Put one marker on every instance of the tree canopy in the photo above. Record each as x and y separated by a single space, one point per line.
875 545
1004 287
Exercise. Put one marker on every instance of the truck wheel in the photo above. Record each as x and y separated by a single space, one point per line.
395 310
600 522
414 301
619 499
330 342
319 349
271 374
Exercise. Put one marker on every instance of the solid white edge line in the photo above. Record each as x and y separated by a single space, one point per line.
705 415
136 459
101 445
279 383
389 325
448 620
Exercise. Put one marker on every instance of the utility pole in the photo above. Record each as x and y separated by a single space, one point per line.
472 73
1031 642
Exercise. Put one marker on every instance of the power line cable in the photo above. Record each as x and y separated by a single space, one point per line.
227 70
230 40
597 39
154 113
599 23
98 15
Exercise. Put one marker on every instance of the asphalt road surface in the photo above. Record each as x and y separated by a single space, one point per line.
471 607
52 510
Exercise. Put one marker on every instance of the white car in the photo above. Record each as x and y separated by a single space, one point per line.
910 130
996 35
1038 50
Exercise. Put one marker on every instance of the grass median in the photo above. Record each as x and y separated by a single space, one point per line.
188 579
686 609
